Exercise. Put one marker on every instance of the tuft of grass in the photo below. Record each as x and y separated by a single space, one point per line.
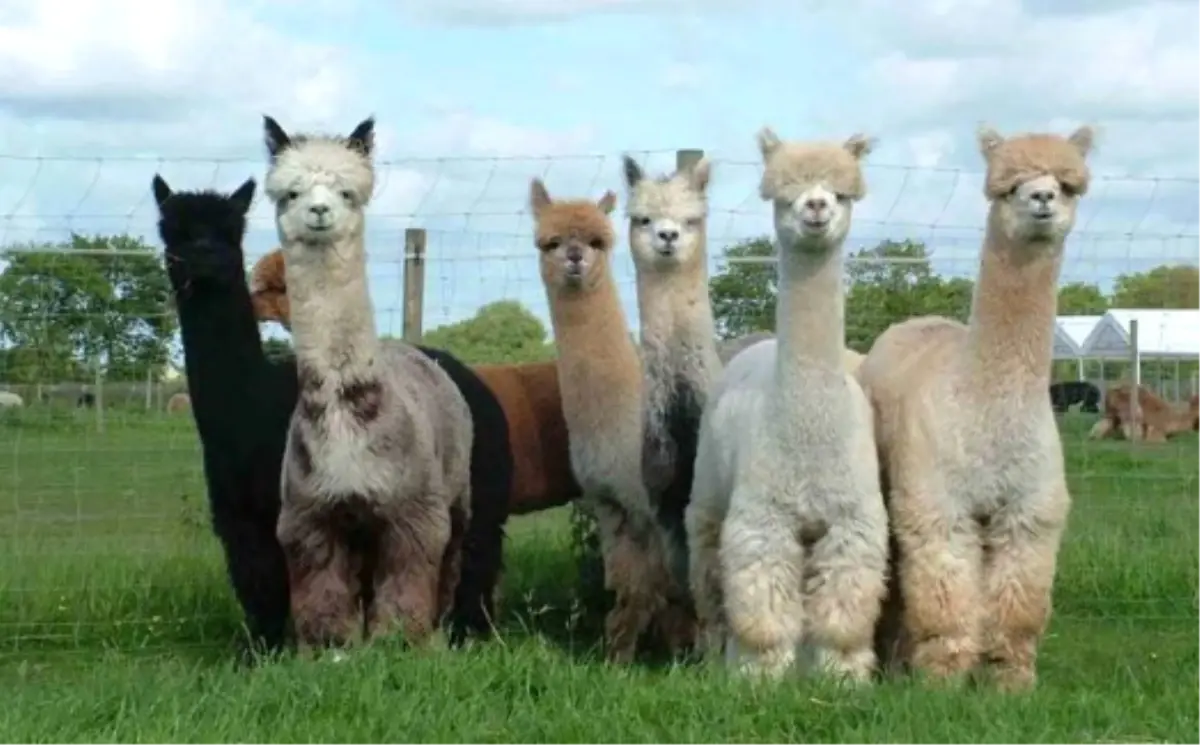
117 624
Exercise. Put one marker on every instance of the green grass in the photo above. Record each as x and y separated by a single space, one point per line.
116 624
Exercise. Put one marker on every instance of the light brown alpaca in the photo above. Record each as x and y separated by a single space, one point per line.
601 379
969 450
1160 419
179 402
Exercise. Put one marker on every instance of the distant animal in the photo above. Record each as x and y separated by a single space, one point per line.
1066 393
8 399
1160 419
179 402
86 400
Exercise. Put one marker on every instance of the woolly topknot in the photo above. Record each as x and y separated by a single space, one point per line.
1014 160
793 163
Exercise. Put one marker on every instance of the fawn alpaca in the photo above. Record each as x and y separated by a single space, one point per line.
970 451
786 526
376 473
601 382
667 235
1160 419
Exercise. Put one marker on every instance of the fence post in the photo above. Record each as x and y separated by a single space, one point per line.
414 283
1135 366
99 402
687 158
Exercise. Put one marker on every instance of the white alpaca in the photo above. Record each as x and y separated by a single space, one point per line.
667 226
786 526
375 482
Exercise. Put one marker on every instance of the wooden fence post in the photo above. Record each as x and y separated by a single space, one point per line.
414 283
1135 367
687 158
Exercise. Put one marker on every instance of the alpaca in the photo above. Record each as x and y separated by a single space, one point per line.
179 402
376 472
1065 393
730 348
1160 419
601 380
243 400
528 397
8 399
86 400
968 444
787 526
667 235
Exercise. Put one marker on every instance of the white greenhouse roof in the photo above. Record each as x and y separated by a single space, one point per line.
1069 334
1161 333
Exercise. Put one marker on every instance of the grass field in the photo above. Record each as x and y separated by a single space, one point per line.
116 624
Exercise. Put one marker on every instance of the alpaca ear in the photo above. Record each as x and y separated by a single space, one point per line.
699 174
244 195
633 172
539 198
277 140
162 192
859 145
608 202
989 139
768 141
362 138
1084 139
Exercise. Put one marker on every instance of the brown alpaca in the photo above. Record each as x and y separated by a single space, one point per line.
1160 419
179 402
969 449
601 379
528 393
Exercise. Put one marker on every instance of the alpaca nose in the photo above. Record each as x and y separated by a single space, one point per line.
816 204
669 236
1045 196
320 210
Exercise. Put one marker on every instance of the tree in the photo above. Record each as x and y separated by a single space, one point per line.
91 303
894 281
503 331
743 293
1081 299
1166 286
277 349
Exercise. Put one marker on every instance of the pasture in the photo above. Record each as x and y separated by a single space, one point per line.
117 624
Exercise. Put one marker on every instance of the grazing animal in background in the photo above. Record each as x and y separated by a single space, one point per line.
243 400
528 395
667 236
969 446
8 399
376 472
86 400
1066 393
787 525
1160 419
601 380
179 402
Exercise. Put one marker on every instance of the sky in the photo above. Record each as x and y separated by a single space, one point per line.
473 98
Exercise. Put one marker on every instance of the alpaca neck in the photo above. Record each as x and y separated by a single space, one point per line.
676 317
333 322
223 357
593 341
810 313
1013 309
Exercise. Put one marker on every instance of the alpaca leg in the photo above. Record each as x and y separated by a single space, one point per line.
1101 429
1022 551
761 581
845 584
704 569
676 621
1154 434
259 574
324 582
409 573
939 571
467 581
633 575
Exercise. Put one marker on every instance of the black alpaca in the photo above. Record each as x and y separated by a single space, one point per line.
242 402
1069 392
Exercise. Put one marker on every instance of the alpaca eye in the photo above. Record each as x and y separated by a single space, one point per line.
641 222
1069 191
293 195
694 222
348 195
596 243
551 244
843 198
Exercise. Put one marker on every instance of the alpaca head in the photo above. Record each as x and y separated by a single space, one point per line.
666 215
202 232
574 237
813 186
320 185
268 289
1034 182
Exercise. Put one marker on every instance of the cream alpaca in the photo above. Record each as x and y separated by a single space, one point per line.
787 527
375 483
970 452
730 348
601 380
667 221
